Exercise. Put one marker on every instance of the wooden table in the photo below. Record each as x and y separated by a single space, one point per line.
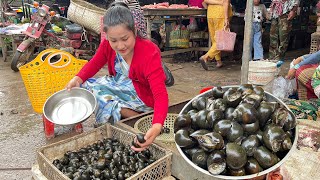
14 43
175 14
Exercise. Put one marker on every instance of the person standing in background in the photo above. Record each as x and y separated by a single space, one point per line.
259 14
138 16
218 14
282 12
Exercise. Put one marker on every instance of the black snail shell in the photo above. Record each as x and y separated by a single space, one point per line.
250 144
214 116
273 137
199 132
181 121
229 129
265 157
183 139
265 111
193 150
244 87
210 141
199 103
245 113
232 97
200 159
251 128
216 162
237 172
218 104
228 113
217 92
258 90
201 120
252 166
140 138
236 156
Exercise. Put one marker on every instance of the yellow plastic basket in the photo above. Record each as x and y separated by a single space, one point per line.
144 124
42 77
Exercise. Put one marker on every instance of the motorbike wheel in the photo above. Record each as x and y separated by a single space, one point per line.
16 61
21 58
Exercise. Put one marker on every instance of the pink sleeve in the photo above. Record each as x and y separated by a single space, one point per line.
96 63
156 79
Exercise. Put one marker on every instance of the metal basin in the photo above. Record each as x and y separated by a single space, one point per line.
69 107
270 98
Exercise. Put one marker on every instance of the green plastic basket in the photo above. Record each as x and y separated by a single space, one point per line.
143 124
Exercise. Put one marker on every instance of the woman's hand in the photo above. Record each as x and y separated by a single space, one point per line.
150 136
74 82
297 61
291 73
226 23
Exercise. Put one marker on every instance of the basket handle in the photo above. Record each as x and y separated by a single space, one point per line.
63 55
38 61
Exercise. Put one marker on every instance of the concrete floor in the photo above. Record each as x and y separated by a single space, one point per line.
21 129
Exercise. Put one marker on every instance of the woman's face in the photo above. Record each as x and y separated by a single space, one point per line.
256 2
121 39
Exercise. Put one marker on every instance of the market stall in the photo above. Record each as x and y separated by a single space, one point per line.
173 15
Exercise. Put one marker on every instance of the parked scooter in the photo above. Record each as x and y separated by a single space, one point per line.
76 39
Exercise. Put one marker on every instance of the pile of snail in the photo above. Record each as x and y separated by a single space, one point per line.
105 159
235 131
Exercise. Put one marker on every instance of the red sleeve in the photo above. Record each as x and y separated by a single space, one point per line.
156 78
95 64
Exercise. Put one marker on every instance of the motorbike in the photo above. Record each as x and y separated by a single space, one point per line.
76 39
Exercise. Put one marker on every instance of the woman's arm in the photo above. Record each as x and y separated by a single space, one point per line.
205 5
156 79
303 60
226 6
214 2
96 63
313 58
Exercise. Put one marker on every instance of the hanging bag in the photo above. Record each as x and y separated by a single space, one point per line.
225 39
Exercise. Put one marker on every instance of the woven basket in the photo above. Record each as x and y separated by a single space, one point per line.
42 78
86 14
158 170
144 124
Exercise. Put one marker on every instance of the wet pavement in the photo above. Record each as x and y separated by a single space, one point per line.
21 129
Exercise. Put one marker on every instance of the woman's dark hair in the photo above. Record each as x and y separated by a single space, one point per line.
118 13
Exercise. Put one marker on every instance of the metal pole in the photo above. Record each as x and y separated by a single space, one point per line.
247 43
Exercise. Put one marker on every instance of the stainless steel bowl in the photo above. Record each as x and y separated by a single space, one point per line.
270 98
69 107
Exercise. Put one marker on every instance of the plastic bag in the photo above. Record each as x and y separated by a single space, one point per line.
193 25
283 88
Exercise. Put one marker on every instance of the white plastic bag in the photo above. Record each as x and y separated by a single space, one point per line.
283 88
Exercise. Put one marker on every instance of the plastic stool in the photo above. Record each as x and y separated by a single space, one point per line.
49 128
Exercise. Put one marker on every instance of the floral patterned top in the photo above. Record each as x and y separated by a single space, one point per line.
280 7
